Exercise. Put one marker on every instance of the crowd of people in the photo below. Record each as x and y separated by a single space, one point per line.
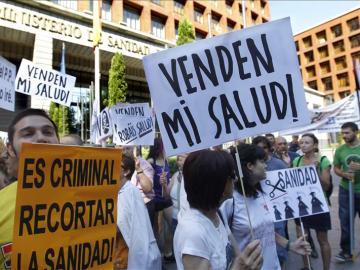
203 215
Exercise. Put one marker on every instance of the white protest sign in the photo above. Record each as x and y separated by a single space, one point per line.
231 86
294 192
35 80
133 124
104 125
7 89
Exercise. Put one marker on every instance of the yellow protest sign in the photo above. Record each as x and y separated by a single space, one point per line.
66 207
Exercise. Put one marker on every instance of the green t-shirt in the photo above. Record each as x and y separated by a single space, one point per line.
324 164
343 155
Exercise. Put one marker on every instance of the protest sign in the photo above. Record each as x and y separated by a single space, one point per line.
66 207
104 125
35 80
231 86
133 124
7 89
294 192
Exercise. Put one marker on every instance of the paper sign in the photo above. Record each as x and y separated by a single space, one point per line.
133 124
104 125
231 86
7 89
294 192
35 80
66 207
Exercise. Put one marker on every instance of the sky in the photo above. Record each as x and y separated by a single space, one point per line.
305 14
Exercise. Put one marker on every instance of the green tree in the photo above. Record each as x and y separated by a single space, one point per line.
117 83
186 32
63 118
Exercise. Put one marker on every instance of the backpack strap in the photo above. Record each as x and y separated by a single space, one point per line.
298 161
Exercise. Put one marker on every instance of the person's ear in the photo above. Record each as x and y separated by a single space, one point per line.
10 150
250 166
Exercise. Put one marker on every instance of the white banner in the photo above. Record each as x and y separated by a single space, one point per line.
104 125
7 89
294 192
35 80
133 124
231 86
330 118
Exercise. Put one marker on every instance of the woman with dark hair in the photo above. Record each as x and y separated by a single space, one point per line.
321 223
253 167
162 201
201 238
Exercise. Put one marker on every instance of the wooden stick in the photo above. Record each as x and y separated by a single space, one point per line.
243 190
351 218
303 234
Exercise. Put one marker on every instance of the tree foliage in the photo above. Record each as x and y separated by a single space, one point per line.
63 118
186 32
117 82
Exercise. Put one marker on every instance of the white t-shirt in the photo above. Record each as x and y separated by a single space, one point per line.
184 203
196 235
262 222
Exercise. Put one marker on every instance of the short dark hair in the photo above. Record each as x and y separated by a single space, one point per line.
206 173
312 136
128 163
249 153
269 135
23 114
261 139
351 125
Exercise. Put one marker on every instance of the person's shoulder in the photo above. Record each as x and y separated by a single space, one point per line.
293 154
278 163
9 189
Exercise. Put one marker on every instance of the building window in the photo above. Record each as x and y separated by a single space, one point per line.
157 27
340 63
336 30
297 45
67 3
344 94
309 56
323 52
327 83
329 99
158 2
310 72
199 35
321 37
355 41
215 3
229 4
325 67
353 24
253 18
263 6
215 23
230 25
343 80
356 57
179 7
339 47
106 10
313 85
132 17
176 30
307 42
198 15
299 60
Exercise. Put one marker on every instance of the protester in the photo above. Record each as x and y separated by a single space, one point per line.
202 239
163 203
271 138
272 164
294 144
142 178
321 223
28 126
136 244
72 139
174 188
347 166
282 152
3 173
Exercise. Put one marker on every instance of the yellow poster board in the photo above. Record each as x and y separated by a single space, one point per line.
66 207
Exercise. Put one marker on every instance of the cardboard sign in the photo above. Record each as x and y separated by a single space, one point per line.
104 125
294 192
7 89
66 207
133 124
35 80
231 86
